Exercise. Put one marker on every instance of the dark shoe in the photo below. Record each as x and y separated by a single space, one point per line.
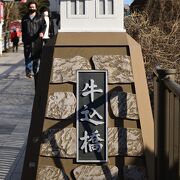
29 75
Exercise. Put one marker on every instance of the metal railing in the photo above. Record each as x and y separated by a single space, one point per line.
167 125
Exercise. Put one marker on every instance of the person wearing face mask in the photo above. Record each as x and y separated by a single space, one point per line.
49 32
33 29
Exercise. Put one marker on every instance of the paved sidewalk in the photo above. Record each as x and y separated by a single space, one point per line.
16 99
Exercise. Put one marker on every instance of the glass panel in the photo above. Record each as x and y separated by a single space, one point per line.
101 7
81 7
110 7
73 7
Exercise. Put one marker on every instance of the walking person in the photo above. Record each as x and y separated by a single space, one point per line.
15 40
33 28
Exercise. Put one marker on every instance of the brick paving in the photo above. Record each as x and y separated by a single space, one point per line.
16 99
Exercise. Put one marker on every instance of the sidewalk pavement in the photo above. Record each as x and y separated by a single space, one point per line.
16 99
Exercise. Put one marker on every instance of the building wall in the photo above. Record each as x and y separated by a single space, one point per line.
93 18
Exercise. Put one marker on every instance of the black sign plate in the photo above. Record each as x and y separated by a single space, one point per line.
91 120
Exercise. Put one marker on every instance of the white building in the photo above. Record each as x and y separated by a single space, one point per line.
90 15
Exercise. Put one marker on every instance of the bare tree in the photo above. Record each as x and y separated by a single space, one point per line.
11 13
163 10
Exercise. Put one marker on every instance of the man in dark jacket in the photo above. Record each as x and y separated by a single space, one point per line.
33 28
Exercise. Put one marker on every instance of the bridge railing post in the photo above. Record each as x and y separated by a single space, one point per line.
162 122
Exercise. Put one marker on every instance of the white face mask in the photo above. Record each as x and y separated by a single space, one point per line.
46 13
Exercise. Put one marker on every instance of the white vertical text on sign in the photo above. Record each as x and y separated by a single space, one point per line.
91 116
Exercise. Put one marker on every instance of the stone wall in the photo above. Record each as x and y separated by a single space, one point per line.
51 148
61 106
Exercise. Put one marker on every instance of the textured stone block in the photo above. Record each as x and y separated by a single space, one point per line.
96 172
118 66
50 173
121 141
124 105
64 70
134 173
59 143
125 141
61 105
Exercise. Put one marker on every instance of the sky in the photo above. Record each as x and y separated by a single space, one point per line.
128 1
